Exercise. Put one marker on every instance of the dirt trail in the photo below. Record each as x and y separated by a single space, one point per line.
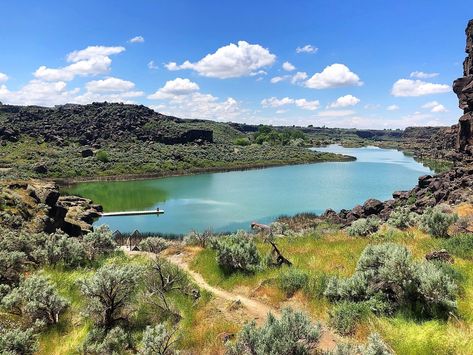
254 308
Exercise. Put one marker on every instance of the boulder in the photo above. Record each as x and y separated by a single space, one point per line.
87 153
440 255
372 206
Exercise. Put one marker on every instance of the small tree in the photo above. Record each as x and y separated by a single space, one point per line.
154 244
200 239
99 242
62 248
237 252
18 342
293 333
158 340
36 298
109 293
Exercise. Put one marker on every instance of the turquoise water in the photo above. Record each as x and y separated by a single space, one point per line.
232 200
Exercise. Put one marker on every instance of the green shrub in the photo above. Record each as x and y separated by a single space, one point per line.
316 284
291 280
37 299
345 316
374 346
293 333
154 244
387 275
199 239
99 242
60 248
18 342
363 227
103 342
157 340
460 245
436 222
102 156
402 218
242 141
237 253
109 292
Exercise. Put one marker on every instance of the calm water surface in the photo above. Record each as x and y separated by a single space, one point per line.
232 200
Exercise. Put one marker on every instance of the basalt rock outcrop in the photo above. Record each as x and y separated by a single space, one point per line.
37 206
463 87
97 122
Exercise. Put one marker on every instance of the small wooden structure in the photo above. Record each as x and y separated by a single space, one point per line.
131 213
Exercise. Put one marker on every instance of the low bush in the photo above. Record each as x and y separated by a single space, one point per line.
316 284
291 280
237 252
37 299
102 156
293 333
157 340
100 341
18 342
345 316
154 244
403 217
199 239
388 275
436 223
364 227
99 242
374 346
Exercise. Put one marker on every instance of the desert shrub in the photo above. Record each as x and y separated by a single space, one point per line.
18 342
37 299
99 242
109 292
237 253
345 316
102 156
279 228
242 141
374 346
157 340
102 342
200 239
460 245
291 280
154 244
436 223
60 248
293 333
402 218
363 227
387 274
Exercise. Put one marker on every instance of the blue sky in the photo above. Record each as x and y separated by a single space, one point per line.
365 64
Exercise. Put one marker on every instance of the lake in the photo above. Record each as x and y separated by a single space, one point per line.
232 200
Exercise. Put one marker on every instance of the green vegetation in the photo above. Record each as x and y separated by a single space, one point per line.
363 227
293 333
436 222
287 136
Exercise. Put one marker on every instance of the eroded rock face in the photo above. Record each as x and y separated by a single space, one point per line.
463 87
37 206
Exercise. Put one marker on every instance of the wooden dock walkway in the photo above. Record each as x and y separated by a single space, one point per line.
131 213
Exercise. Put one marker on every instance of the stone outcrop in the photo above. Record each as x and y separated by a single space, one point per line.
463 87
37 206
89 125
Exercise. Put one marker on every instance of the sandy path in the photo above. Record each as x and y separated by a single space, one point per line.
254 308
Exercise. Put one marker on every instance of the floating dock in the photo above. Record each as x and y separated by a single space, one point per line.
131 213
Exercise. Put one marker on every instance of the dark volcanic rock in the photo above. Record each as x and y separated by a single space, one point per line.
87 153
372 206
463 87
440 255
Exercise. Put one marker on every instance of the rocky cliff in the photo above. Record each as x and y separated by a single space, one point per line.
37 206
463 87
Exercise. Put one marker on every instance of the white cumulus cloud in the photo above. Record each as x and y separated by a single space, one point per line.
408 87
288 66
335 75
152 65
344 101
308 48
137 39
231 61
173 88
305 104
3 77
392 108
435 107
423 75
109 85
92 60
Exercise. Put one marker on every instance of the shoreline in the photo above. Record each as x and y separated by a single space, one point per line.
197 171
